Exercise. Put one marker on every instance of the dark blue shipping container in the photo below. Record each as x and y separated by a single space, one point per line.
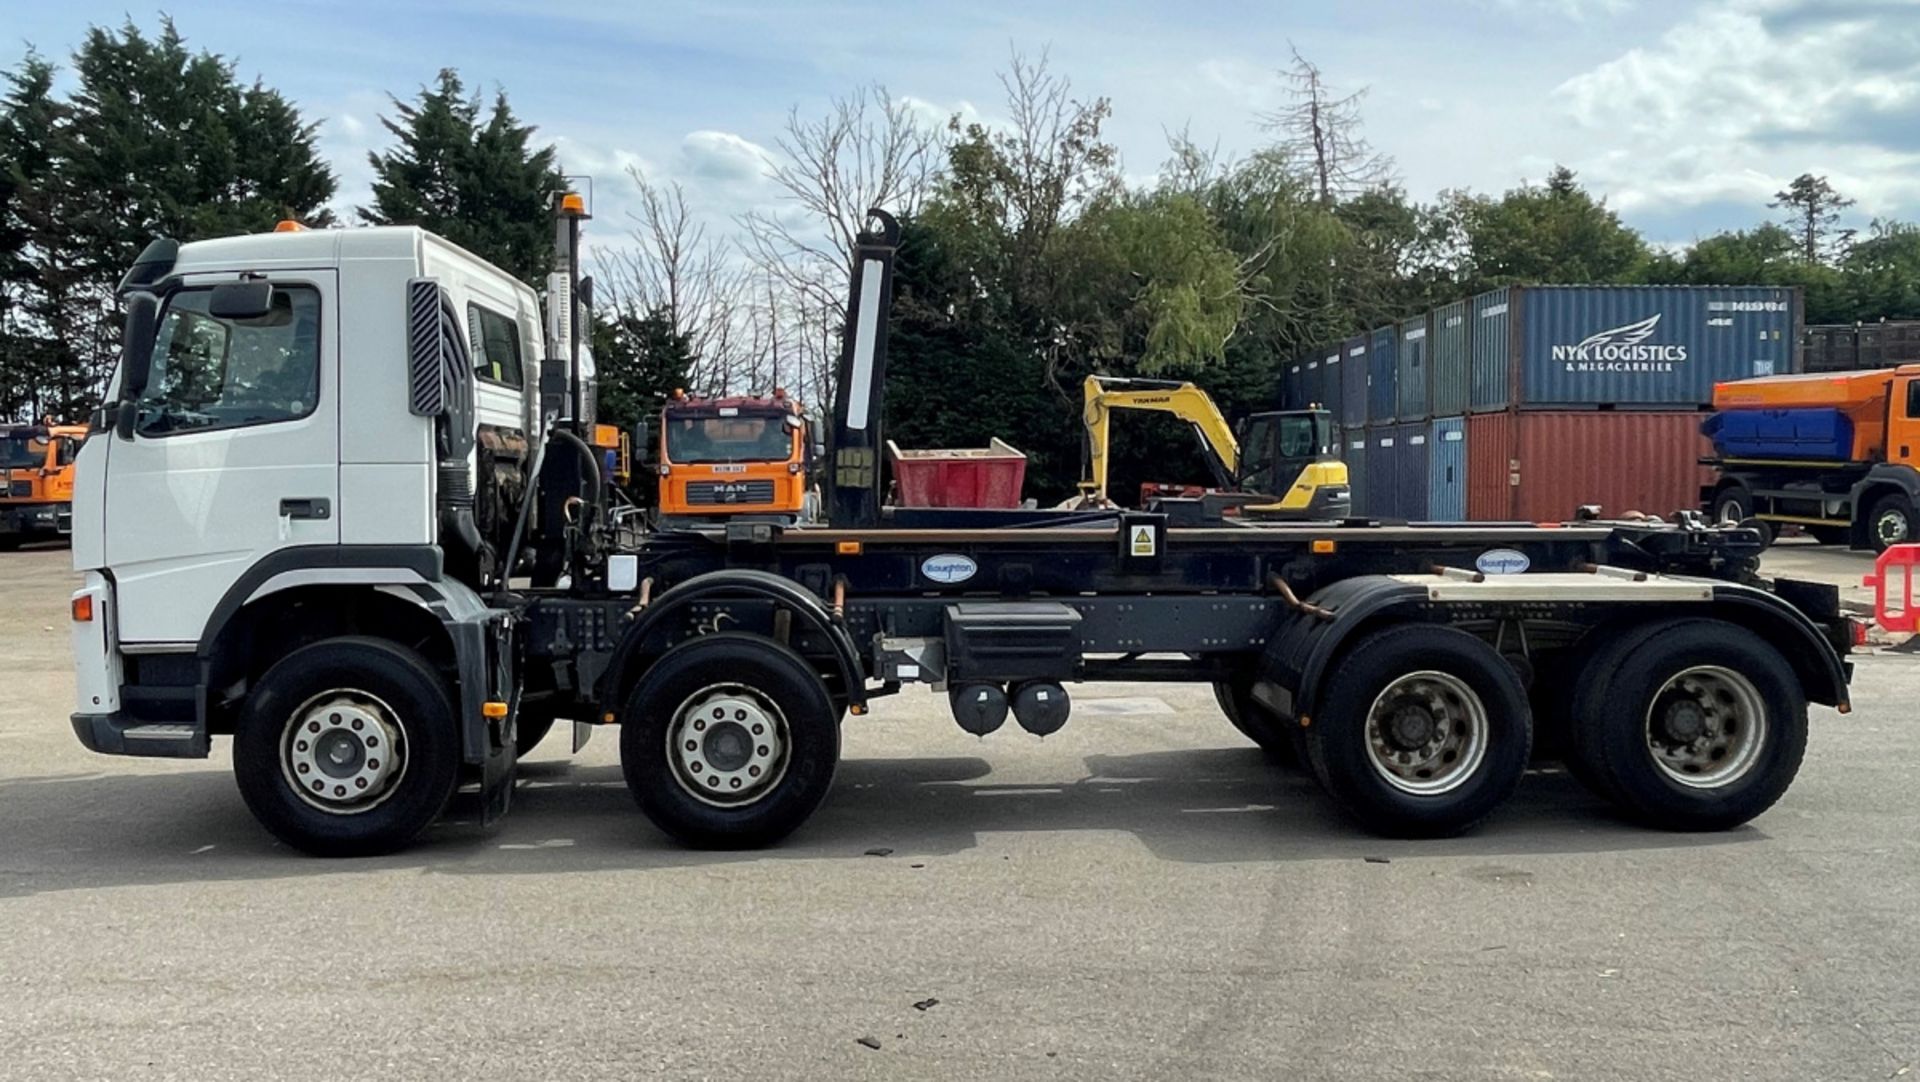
1447 470
1447 346
1383 371
1353 451
1415 391
1637 347
1383 471
1330 389
1353 383
1293 388
1310 384
1410 470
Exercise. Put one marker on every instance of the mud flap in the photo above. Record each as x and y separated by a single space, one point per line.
503 745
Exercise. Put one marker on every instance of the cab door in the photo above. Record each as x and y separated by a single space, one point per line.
234 456
1903 420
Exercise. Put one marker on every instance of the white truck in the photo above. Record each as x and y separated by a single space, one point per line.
333 510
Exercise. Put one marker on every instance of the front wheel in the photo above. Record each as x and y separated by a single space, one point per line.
1890 522
1690 725
729 741
347 747
1424 730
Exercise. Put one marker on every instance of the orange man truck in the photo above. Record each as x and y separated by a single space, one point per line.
735 458
1833 453
36 481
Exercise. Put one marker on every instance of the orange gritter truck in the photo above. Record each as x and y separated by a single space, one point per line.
36 481
1833 453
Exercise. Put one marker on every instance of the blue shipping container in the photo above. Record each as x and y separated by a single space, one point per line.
1353 383
1383 468
1447 470
1290 385
1383 370
1447 348
1330 380
1410 471
1353 451
1646 347
1415 392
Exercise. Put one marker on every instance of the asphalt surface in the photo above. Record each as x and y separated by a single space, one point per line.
1137 897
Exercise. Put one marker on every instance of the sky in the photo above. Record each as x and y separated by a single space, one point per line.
1686 116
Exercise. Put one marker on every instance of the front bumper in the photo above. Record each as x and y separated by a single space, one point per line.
34 520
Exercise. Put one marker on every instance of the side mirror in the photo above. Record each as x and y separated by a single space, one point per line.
642 441
136 359
249 299
585 292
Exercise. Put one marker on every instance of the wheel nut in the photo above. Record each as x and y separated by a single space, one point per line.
373 764
696 768
739 715
719 713
693 745
373 741
714 781
317 787
302 768
299 745
753 771
360 783
699 724
313 726
735 783
762 749
339 790
758 729
358 724
335 718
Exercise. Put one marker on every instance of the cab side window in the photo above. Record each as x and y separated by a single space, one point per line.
496 346
212 373
1913 398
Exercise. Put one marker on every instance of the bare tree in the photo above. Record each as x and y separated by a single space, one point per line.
675 270
869 150
1322 130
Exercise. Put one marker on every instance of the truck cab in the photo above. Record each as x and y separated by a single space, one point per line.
736 458
275 467
36 481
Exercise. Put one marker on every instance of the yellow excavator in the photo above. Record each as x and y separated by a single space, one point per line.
1289 468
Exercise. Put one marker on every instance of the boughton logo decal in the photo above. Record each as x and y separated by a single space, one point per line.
948 568
1502 562
1622 349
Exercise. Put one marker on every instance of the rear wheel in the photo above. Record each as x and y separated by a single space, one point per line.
1423 733
729 741
1890 522
347 747
1690 725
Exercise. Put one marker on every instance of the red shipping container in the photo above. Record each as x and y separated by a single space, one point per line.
1539 466
989 476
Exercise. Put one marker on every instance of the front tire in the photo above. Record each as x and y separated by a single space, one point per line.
1423 731
1690 725
729 742
1891 522
347 747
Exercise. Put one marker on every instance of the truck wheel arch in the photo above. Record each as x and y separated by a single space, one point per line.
1358 605
653 631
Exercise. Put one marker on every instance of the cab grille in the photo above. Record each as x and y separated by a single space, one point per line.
721 492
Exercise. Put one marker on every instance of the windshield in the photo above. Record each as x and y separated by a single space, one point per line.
728 439
20 451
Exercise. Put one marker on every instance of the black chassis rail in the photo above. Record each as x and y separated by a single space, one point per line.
1213 594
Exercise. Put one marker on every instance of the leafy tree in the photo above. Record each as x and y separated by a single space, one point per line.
638 360
1556 233
29 284
156 140
1880 275
481 184
1812 210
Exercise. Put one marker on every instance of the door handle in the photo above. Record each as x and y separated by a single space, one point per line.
313 508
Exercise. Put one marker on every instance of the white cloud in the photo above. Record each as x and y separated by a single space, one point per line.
1743 95
719 156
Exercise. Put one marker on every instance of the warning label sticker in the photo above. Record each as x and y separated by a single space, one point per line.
1141 543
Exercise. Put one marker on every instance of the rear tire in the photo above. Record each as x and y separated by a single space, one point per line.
729 742
1424 731
1690 725
1891 522
365 728
1278 737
